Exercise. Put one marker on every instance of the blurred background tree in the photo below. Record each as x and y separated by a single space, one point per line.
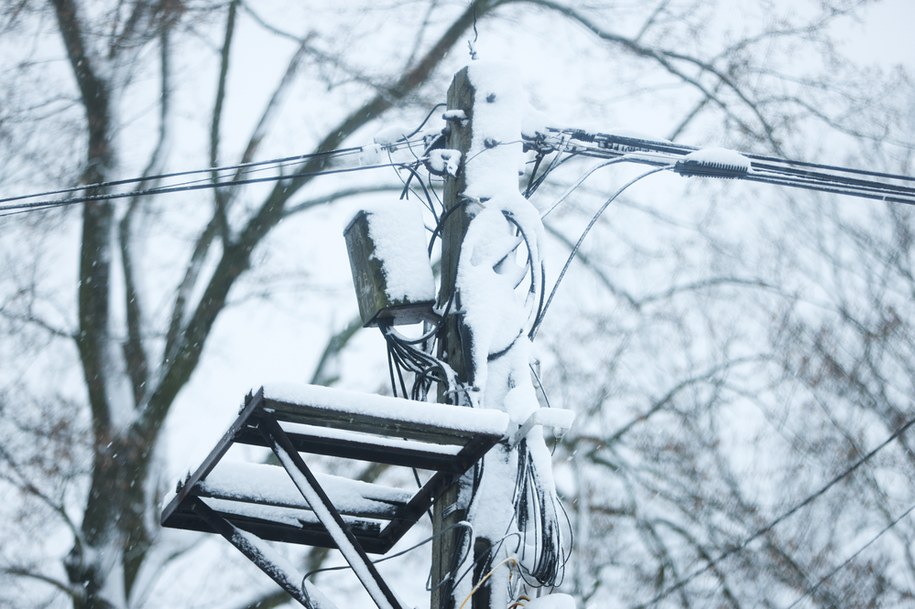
734 347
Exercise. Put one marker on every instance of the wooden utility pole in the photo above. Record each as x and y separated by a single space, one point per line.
448 510
484 126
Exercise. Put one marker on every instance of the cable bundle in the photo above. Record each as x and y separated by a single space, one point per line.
415 356
542 554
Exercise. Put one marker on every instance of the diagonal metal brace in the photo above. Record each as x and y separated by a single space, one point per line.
261 558
325 511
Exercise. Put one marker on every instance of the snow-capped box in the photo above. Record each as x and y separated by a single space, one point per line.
390 264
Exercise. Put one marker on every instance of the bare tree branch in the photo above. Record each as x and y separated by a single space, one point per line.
95 256
70 590
666 59
219 194
236 256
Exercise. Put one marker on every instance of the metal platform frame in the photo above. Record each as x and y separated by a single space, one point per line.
291 429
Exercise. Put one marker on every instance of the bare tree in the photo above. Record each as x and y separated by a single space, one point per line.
678 363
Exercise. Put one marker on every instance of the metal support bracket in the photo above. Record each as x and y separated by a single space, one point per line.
258 554
325 511
252 503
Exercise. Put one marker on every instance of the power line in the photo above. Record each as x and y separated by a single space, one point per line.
784 516
759 168
208 170
848 560
48 204
542 312
20 203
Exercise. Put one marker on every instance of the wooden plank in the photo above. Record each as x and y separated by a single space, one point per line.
456 344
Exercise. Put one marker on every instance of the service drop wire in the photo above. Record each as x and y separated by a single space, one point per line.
742 545
278 162
199 184
578 183
50 204
584 234
852 557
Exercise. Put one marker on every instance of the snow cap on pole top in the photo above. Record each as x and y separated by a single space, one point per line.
495 150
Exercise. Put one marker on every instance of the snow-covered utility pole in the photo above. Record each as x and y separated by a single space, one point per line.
489 296
447 512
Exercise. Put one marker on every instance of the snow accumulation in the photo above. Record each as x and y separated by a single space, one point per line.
271 484
445 160
719 156
278 514
391 135
454 115
501 247
488 273
496 130
356 436
353 402
398 233
371 154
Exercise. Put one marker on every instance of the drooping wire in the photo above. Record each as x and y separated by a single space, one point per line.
584 234
416 356
425 120
578 183
538 521
199 184
426 196
779 519
536 269
175 174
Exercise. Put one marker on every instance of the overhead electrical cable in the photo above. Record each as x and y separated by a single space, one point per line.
584 234
48 204
20 203
892 188
851 558
779 519
174 174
